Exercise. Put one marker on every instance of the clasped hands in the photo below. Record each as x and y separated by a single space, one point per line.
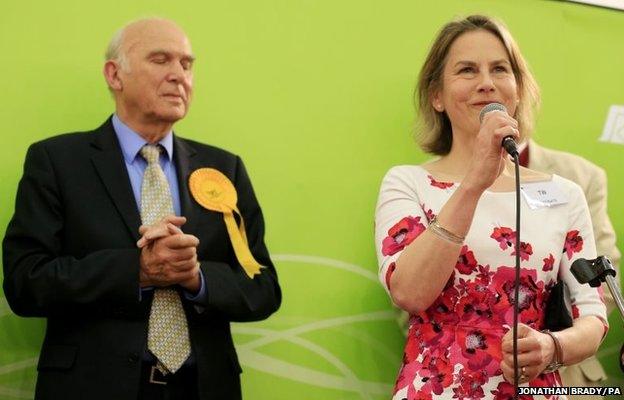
535 352
168 255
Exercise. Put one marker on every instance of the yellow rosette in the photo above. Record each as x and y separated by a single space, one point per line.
214 191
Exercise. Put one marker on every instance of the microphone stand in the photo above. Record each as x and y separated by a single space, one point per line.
597 271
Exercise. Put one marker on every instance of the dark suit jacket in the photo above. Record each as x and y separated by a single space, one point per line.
70 256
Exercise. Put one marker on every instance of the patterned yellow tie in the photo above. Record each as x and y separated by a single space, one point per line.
168 337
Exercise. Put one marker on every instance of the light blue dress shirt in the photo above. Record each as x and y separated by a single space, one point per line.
131 143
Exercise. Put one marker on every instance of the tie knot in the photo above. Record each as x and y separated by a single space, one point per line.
151 152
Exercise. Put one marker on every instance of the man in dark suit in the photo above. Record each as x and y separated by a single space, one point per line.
89 249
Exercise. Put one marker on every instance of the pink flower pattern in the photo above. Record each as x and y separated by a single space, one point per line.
466 263
573 244
459 328
453 347
549 262
505 237
402 234
440 184
389 272
428 212
526 250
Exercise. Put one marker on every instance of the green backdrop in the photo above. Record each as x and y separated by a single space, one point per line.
315 95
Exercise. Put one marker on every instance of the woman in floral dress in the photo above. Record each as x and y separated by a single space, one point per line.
445 231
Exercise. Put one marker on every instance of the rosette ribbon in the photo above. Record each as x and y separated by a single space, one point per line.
215 192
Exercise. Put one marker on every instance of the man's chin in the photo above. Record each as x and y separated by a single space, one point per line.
172 116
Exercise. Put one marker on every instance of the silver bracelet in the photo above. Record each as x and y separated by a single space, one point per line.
557 361
438 230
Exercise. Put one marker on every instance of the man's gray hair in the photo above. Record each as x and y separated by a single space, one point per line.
114 51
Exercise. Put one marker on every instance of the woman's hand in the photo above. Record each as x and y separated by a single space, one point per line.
488 155
535 352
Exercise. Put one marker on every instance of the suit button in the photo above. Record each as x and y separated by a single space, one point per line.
133 357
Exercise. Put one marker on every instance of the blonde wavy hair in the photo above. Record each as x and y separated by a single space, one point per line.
433 131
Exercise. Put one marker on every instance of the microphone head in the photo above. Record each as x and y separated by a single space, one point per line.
491 107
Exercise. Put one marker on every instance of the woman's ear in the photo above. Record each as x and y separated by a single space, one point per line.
436 102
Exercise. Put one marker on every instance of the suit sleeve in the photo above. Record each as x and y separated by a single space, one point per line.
603 229
40 278
230 292
604 233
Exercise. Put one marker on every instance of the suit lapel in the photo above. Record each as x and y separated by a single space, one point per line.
110 166
538 159
185 162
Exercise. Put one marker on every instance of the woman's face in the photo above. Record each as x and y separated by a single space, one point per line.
477 72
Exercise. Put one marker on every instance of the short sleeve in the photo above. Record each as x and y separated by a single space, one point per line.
579 243
399 219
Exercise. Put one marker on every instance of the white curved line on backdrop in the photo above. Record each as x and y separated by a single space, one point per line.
4 307
329 262
382 349
10 393
309 376
271 365
349 380
313 326
349 376
269 336
16 366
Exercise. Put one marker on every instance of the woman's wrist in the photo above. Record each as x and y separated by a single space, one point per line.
470 189
440 231
556 361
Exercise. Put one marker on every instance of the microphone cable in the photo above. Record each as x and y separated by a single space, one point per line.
516 159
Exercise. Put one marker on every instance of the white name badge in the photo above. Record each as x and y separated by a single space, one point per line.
543 194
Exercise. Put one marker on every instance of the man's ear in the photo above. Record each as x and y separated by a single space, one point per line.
111 74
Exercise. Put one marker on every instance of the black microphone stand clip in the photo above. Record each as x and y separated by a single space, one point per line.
596 271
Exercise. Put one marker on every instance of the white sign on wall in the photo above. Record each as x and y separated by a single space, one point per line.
614 127
616 4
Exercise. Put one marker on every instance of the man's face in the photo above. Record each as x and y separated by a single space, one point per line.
157 80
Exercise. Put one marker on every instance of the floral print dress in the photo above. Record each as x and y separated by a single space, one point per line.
453 348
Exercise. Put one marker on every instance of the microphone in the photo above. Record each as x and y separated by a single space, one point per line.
508 142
